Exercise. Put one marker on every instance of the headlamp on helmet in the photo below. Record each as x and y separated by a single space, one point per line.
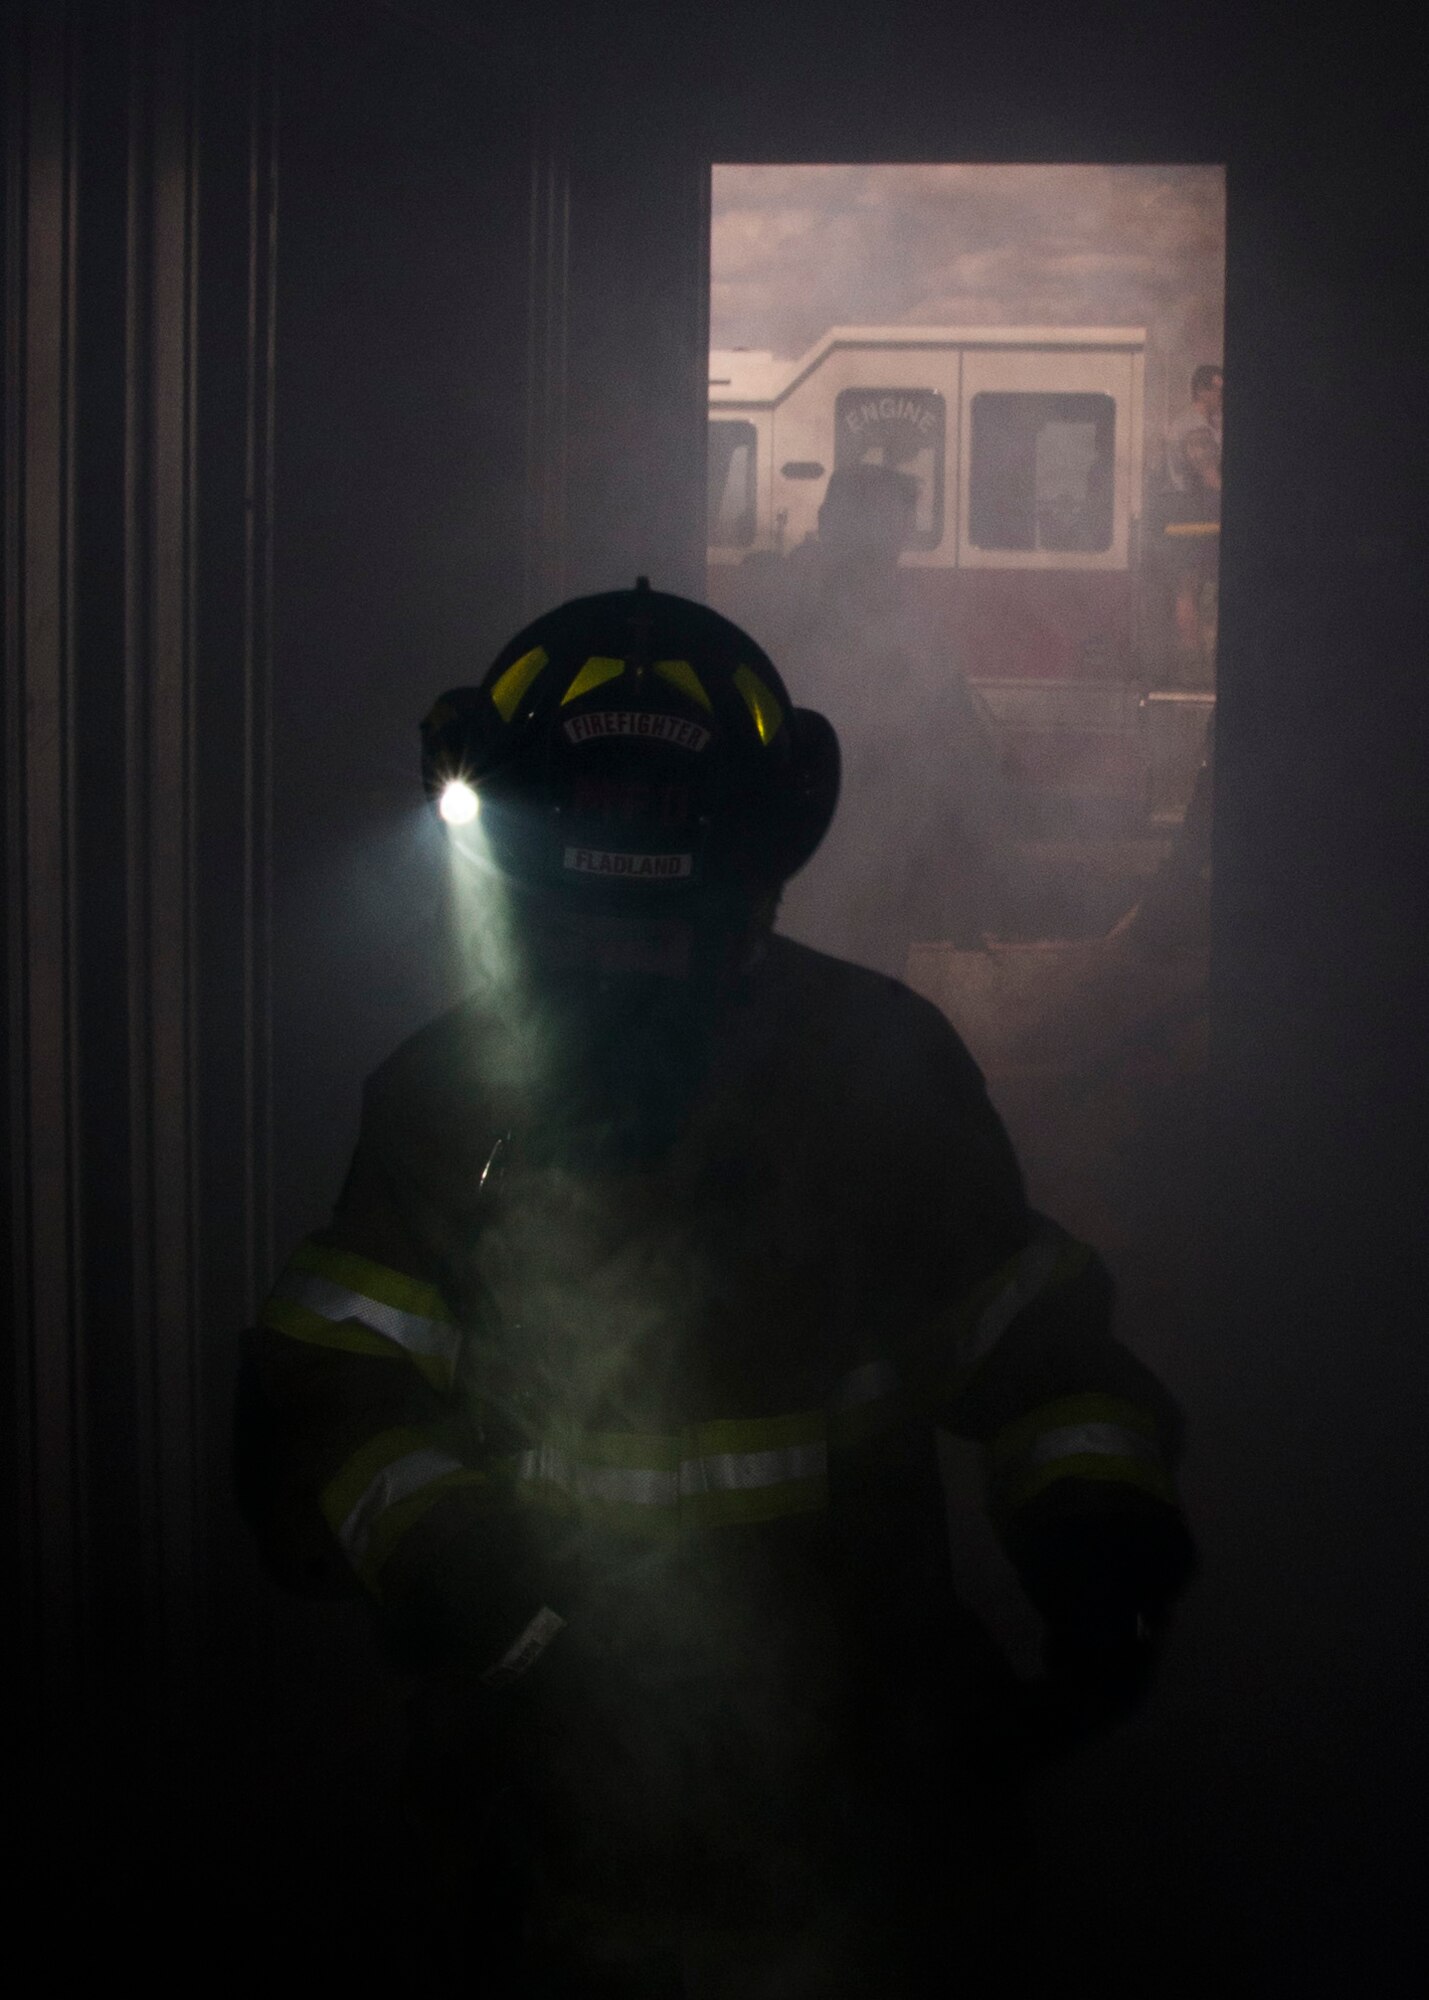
634 749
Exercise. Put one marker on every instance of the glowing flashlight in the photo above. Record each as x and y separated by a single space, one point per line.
458 805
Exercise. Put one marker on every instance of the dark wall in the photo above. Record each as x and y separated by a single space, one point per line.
400 491
423 299
401 364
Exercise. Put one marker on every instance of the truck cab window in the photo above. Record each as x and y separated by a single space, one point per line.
1041 471
731 483
904 428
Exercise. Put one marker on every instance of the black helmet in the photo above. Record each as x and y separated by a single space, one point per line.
637 749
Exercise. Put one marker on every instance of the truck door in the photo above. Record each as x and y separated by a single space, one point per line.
1050 445
1048 474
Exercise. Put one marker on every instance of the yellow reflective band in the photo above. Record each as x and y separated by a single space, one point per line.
752 1434
1144 1474
573 1493
388 1286
387 1485
508 691
592 675
1192 528
762 705
1016 1440
337 1299
351 1481
1091 1436
680 674
740 1507
348 1336
400 1516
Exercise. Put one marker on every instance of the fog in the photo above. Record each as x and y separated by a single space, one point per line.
1013 909
798 249
270 498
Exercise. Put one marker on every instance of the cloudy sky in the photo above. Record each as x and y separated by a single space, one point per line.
799 249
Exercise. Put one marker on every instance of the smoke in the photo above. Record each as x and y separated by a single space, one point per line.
591 1294
798 249
1091 1031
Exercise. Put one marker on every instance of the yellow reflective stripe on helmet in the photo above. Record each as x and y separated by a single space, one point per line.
593 674
761 702
384 1488
335 1298
680 674
1076 1437
507 693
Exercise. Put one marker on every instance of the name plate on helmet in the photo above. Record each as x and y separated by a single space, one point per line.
629 867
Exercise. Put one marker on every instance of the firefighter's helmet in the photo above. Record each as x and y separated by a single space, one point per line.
635 748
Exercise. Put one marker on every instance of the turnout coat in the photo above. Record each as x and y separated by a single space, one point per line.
638 1465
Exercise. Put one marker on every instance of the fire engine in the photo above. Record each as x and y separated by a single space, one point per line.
1041 549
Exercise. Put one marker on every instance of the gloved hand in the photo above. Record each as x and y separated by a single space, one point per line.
1103 1574
1102 1664
1097 1671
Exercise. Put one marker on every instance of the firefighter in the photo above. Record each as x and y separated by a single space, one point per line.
614 1380
925 849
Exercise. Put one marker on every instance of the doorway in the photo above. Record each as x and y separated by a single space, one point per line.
964 487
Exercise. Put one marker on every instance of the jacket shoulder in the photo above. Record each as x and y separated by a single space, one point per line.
428 1110
428 1060
885 1030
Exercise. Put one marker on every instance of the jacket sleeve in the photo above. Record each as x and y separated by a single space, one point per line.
355 1467
1079 1438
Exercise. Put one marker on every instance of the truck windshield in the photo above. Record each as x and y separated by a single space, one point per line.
904 428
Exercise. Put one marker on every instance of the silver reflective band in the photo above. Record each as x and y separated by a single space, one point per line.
640 1487
523 1655
748 1471
437 1337
1034 1266
397 1481
719 1472
1090 1441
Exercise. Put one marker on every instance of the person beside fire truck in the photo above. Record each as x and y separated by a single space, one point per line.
613 1380
1193 472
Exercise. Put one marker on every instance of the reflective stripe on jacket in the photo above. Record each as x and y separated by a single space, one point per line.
840 1246
334 1298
